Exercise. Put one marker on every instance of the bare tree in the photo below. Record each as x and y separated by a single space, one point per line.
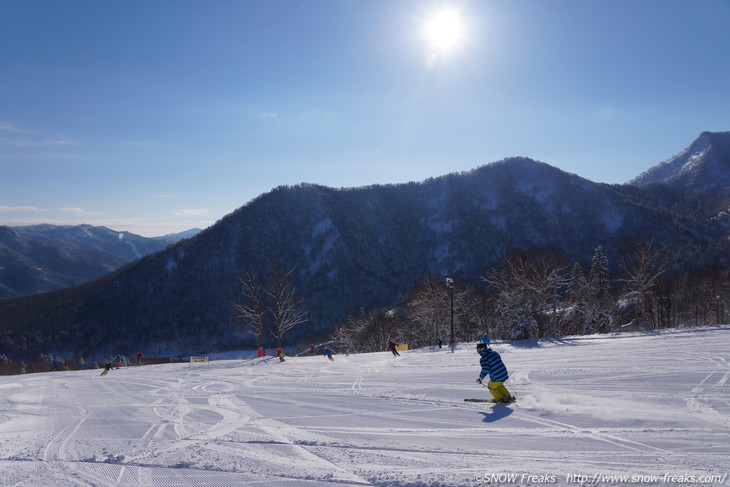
371 332
383 326
429 304
286 309
348 332
252 310
643 277
512 299
428 307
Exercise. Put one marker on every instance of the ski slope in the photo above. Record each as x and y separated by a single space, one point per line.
630 409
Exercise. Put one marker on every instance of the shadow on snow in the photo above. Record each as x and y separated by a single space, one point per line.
499 411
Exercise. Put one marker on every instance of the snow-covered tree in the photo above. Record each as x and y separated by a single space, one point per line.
599 302
526 294
588 301
643 271
576 302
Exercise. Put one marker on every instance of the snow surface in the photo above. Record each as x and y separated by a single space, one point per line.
652 407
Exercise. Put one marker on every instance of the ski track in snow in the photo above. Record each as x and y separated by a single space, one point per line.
631 404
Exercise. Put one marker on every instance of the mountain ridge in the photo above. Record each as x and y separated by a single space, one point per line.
699 167
353 249
696 180
41 258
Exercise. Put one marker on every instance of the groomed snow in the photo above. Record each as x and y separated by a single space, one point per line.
652 407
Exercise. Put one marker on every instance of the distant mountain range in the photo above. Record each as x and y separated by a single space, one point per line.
360 248
41 258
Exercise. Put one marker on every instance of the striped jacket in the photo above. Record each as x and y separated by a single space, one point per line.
493 366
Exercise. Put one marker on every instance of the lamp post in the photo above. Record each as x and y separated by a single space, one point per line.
450 287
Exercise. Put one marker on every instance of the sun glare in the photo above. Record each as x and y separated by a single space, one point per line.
444 30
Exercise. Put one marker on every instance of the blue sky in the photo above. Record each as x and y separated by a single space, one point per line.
158 116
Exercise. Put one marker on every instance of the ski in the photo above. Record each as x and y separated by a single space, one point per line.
491 401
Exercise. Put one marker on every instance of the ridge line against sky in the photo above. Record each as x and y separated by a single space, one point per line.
157 116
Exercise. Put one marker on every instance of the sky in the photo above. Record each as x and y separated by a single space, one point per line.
156 116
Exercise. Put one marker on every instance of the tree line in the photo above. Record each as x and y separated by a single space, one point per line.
538 294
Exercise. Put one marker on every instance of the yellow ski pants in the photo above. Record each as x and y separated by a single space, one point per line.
498 390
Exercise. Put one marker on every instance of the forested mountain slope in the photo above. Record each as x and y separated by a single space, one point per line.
352 249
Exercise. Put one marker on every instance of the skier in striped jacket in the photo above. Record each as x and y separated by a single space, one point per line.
493 367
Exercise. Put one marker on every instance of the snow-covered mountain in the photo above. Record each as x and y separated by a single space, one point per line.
353 249
625 410
695 181
702 167
41 258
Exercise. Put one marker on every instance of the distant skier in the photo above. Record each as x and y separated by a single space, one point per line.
280 354
328 353
139 358
82 364
65 365
107 368
393 347
493 366
118 360
54 365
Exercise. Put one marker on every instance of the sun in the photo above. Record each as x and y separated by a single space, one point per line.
444 30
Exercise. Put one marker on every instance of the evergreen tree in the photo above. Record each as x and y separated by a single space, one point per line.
576 300
599 303
598 276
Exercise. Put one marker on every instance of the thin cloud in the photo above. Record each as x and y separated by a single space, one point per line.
79 211
25 142
12 135
191 212
12 128
17 209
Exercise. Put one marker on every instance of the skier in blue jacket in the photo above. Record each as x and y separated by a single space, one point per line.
493 367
